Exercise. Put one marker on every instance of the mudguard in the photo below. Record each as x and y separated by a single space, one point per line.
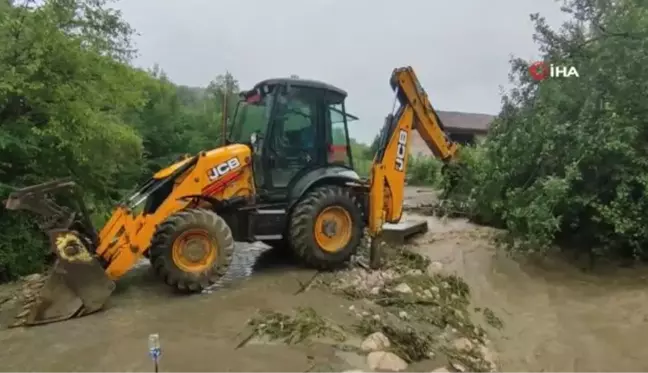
318 176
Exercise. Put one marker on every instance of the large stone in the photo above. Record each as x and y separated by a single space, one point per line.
403 288
33 277
385 362
489 357
463 344
375 342
458 367
434 267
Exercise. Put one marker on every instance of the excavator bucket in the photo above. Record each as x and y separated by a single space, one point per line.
76 285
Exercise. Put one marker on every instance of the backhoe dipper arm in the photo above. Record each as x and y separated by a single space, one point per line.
389 167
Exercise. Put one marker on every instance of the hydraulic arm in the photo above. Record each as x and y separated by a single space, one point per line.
387 182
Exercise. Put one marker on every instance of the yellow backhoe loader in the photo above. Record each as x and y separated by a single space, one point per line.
285 177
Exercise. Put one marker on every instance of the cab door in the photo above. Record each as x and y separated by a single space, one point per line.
292 144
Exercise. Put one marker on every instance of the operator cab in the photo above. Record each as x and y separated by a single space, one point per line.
293 126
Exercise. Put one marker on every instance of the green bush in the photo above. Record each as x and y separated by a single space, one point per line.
422 170
566 160
71 105
23 248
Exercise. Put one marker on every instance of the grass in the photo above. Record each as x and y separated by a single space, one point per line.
305 323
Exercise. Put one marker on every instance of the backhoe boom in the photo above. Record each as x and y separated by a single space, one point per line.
389 167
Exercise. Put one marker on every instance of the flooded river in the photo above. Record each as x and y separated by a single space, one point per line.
556 317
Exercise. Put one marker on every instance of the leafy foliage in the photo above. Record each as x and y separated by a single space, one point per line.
424 170
71 105
566 159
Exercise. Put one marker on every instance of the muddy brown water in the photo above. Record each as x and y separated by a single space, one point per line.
556 317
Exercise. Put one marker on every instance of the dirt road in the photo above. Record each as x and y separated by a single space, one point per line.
555 318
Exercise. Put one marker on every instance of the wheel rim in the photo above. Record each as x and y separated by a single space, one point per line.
333 228
194 250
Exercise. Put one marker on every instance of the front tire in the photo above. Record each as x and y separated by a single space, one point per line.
192 249
326 227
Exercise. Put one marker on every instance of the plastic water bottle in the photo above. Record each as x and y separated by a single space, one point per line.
154 349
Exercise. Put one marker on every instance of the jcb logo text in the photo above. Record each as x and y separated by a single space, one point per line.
401 151
223 168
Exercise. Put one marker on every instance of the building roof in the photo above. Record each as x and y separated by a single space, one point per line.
454 122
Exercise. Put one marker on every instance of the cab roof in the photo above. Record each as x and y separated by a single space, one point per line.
307 83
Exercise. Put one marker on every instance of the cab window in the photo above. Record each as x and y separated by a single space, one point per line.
338 148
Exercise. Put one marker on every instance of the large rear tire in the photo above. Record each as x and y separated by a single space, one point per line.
326 227
192 249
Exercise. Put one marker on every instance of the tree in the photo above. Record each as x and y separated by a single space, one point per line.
566 159
63 94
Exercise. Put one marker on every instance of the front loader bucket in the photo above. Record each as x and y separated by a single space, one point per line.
76 286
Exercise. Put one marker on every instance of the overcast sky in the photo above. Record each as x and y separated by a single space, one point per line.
459 48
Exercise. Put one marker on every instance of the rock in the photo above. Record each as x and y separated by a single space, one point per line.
376 317
489 356
463 344
403 315
441 369
403 288
375 342
353 371
351 308
385 361
427 293
434 289
434 267
414 272
458 367
33 277
374 290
